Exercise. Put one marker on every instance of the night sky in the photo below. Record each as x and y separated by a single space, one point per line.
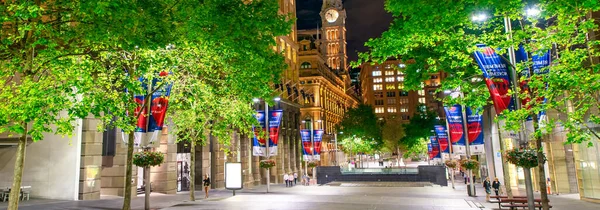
366 19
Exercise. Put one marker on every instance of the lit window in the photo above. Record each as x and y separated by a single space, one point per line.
403 100
401 79
306 65
401 86
376 73
391 109
421 92
403 93
379 110
390 79
389 73
404 109
377 80
402 65
377 87
390 87
388 66
422 100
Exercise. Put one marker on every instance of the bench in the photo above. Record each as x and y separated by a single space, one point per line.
498 197
518 203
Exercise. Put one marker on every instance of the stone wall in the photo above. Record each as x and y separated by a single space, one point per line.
164 177
91 160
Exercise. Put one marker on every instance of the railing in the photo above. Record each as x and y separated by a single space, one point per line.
407 170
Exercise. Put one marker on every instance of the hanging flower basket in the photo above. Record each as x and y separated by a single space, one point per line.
451 164
148 159
526 158
312 164
267 163
469 164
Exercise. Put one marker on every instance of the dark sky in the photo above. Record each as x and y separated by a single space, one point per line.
366 19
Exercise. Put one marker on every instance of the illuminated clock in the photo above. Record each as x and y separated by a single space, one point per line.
332 15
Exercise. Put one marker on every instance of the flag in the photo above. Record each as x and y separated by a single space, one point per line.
455 123
495 73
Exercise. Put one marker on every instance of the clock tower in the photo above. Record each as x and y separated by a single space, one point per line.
333 40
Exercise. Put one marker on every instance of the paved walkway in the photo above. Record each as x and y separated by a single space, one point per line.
359 196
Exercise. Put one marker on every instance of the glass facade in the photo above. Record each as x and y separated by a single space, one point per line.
588 170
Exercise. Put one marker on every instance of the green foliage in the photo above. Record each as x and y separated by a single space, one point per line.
469 164
148 159
418 130
269 163
418 149
451 163
312 164
442 37
526 158
360 130
392 132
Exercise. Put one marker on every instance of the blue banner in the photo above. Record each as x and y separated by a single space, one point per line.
306 146
158 107
259 143
540 62
495 73
429 151
475 129
318 139
435 148
455 128
442 136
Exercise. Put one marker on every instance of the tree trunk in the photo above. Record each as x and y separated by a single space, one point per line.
541 169
147 189
505 168
128 172
192 170
15 191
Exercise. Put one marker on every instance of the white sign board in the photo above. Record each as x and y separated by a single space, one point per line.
233 176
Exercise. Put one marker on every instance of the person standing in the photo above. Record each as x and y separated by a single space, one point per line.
488 188
496 185
295 178
206 184
286 178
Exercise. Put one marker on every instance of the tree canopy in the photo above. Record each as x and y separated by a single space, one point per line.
360 130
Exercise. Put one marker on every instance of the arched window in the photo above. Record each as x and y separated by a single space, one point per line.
305 65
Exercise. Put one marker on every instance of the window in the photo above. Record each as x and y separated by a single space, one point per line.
379 94
390 79
403 100
377 87
390 87
434 77
401 85
391 94
391 109
305 65
405 117
401 65
379 110
403 93
379 102
421 92
377 80
422 100
376 73
388 73
388 66
404 108
401 79
391 101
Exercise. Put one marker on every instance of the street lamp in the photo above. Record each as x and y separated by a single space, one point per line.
268 139
533 12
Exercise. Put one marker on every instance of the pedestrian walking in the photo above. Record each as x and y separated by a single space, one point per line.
295 178
466 177
488 188
286 178
206 184
496 185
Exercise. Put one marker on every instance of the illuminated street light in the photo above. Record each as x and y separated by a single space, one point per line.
481 17
256 100
533 12
277 99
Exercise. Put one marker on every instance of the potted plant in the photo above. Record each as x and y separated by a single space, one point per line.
312 164
469 164
526 158
451 164
269 163
148 159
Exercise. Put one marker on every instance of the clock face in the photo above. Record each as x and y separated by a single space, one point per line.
332 15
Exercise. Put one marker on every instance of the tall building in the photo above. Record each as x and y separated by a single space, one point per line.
382 86
326 91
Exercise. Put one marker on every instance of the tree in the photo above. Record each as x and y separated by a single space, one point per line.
442 37
360 130
418 129
392 132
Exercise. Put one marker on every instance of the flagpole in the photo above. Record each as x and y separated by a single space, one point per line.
268 143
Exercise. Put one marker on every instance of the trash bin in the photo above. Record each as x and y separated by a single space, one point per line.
472 194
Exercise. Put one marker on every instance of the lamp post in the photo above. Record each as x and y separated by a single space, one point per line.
268 138
530 12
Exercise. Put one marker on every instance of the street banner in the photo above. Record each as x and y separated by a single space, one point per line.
305 137
318 139
495 73
456 131
475 128
442 136
429 151
435 155
158 107
274 127
259 143
540 62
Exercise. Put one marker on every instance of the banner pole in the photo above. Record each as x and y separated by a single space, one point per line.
268 143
